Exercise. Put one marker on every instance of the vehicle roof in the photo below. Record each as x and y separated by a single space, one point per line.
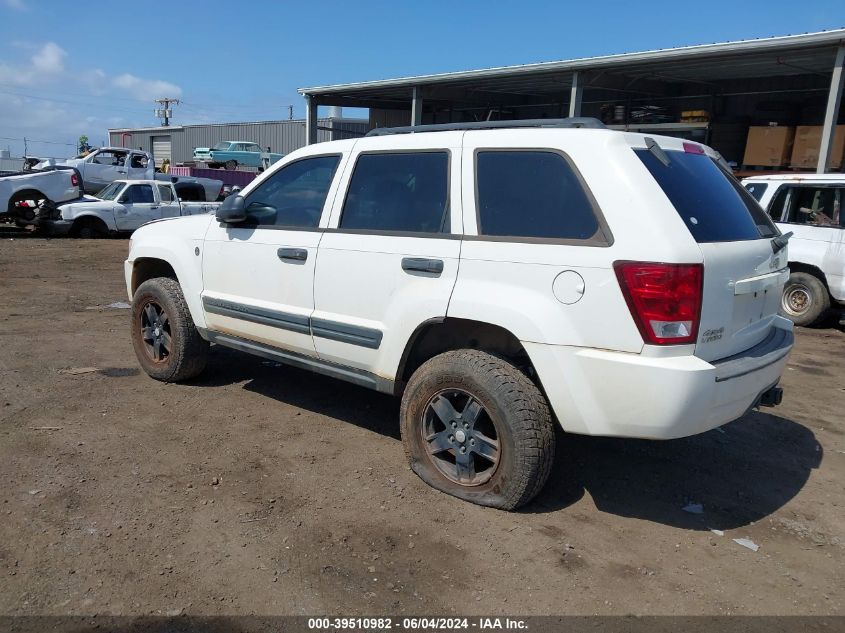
118 149
797 176
417 139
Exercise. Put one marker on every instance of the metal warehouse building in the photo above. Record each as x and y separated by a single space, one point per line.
714 93
177 142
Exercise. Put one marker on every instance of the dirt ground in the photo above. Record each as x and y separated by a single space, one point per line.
267 490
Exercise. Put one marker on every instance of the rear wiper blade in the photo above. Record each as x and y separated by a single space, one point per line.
656 150
780 242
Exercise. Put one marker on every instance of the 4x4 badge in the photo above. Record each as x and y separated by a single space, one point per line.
712 335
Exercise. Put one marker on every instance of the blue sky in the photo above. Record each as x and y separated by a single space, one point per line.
71 68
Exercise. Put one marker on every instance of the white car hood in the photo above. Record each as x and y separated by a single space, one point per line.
89 204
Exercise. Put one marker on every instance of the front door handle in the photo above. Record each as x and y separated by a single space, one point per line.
422 265
292 254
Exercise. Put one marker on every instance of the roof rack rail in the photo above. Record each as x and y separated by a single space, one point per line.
572 122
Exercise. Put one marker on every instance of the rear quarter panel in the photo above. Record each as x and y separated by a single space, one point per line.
510 283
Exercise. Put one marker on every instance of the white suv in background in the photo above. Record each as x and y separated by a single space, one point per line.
498 277
810 207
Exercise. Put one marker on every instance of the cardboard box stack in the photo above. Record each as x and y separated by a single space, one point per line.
808 139
768 146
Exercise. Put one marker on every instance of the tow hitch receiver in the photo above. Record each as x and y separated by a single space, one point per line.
771 397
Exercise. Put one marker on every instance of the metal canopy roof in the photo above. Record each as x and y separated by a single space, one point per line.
807 54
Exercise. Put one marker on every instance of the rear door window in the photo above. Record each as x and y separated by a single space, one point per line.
711 202
399 192
532 194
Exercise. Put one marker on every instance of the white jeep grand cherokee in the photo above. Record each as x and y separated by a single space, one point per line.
497 279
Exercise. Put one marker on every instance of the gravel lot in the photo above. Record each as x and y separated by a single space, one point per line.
261 489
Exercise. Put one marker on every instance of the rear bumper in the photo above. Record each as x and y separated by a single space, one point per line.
598 392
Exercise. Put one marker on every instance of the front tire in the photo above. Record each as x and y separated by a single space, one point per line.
231 165
166 341
805 299
475 427
89 229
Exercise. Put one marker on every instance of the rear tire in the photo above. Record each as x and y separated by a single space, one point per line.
231 165
475 427
805 299
166 341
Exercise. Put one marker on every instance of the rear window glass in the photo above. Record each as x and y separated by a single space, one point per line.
534 194
711 202
756 189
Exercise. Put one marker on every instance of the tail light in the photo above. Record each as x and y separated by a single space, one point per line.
693 148
74 180
664 299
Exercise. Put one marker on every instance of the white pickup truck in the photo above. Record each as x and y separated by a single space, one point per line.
122 207
107 164
808 206
22 192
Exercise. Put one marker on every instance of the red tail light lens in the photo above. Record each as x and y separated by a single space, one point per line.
74 180
664 299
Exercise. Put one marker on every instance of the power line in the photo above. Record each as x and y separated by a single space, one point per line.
82 103
32 140
72 94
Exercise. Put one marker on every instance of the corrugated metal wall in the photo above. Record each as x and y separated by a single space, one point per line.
280 136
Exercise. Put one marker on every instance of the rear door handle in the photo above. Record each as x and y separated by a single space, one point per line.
292 254
422 265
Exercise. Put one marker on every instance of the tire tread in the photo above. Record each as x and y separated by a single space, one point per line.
191 350
529 417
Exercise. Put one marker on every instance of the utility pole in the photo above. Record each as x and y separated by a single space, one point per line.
290 113
165 112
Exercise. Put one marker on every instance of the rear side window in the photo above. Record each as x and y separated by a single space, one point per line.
815 205
713 205
399 192
534 194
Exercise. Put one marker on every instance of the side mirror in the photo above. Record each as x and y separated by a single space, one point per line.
232 210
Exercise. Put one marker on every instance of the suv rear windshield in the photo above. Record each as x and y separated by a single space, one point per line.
713 205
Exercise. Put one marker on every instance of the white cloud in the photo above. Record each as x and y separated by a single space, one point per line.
50 59
146 88
17 5
47 63
42 96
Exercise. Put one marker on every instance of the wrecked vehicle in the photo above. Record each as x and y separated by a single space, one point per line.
122 207
21 193
107 164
